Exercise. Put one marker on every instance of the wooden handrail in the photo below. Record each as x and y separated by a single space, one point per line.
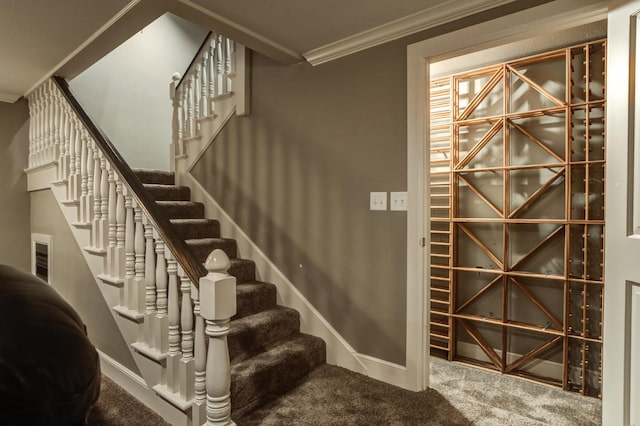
172 240
195 58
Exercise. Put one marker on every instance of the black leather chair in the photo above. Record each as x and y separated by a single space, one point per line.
49 370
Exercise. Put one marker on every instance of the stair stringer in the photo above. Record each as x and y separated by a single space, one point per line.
151 372
339 351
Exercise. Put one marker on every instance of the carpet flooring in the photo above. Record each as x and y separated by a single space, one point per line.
458 395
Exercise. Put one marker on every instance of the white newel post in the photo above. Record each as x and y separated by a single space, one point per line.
217 306
173 356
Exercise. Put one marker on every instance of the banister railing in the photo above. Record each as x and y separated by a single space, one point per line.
218 71
183 304
192 268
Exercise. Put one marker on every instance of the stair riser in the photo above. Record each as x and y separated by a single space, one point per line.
190 211
264 384
252 299
202 251
255 334
169 192
244 271
155 177
204 229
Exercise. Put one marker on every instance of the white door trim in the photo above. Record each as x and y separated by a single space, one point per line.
549 17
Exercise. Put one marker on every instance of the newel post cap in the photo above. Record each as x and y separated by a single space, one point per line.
217 288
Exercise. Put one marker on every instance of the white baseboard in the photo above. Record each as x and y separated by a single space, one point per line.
385 371
339 352
136 386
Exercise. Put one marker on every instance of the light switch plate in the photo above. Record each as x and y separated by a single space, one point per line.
398 201
378 201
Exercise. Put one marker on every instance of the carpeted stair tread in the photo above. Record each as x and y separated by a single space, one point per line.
161 192
243 269
254 297
181 209
272 373
256 333
162 177
197 228
202 247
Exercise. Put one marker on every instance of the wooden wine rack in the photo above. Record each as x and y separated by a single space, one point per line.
517 166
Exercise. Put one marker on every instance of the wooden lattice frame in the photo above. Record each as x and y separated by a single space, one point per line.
573 333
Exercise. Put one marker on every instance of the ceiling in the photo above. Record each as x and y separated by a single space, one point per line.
41 37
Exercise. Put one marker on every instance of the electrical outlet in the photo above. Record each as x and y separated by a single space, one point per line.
377 201
398 201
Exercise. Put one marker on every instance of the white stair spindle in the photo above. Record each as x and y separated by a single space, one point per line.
217 306
222 88
72 157
204 99
197 91
112 224
31 128
129 250
213 79
191 125
88 205
139 288
187 368
150 283
200 362
173 356
176 122
228 65
162 320
76 185
97 198
83 176
118 261
103 223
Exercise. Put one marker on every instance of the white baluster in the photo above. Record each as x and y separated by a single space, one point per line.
58 147
162 320
71 135
112 224
118 264
176 122
31 104
173 357
196 99
83 176
103 224
129 249
217 306
88 205
187 365
76 185
150 282
139 288
97 199
222 87
63 135
191 125
229 64
204 99
213 69
200 362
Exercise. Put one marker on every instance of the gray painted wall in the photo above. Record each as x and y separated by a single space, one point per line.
296 176
72 278
127 92
14 213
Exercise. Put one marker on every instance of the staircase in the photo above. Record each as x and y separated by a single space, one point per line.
268 354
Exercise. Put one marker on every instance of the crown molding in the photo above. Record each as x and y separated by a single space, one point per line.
9 97
450 10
